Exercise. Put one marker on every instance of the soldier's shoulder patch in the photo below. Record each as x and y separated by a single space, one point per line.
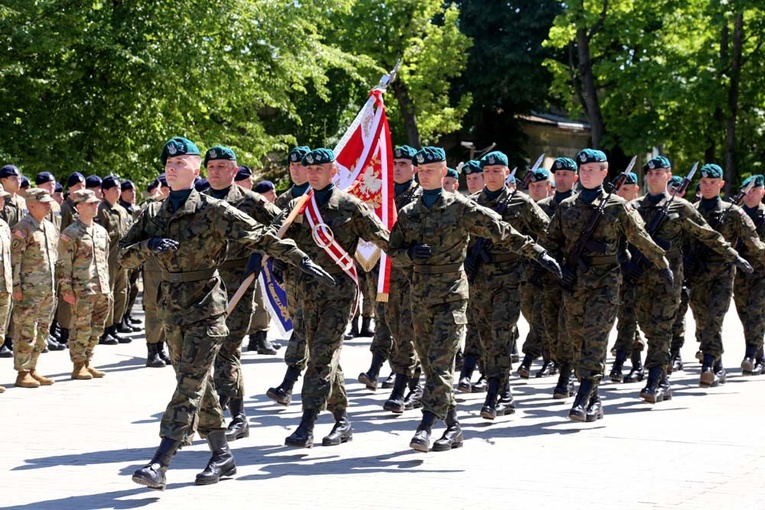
64 237
19 234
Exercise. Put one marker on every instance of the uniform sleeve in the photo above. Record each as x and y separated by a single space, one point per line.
370 228
747 233
134 246
20 240
483 222
536 221
264 211
397 244
695 226
633 228
66 251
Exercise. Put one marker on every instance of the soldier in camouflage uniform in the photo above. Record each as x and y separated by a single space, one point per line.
33 254
431 236
749 289
656 304
128 202
221 166
337 216
6 278
712 275
82 272
296 354
678 323
188 234
496 280
591 305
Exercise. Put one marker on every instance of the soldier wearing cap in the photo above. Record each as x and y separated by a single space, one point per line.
451 180
47 181
712 274
656 303
630 189
74 182
93 183
329 229
58 193
267 189
431 236
24 186
592 304
473 176
749 288
82 272
15 207
6 278
243 177
188 235
33 255
116 220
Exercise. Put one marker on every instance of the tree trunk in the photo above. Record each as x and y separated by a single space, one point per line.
591 102
401 92
733 93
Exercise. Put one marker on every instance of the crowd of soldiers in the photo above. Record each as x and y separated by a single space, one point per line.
569 250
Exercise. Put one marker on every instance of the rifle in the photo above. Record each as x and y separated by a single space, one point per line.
585 241
530 173
637 265
480 252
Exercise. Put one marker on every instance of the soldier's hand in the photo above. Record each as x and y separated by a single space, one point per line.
277 270
471 265
160 244
70 298
551 265
419 252
743 264
308 266
17 295
253 264
668 276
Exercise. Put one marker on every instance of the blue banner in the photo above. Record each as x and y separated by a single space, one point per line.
275 299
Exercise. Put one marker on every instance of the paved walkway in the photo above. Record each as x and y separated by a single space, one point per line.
74 445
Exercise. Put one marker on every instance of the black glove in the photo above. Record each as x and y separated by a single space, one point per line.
254 264
631 271
307 266
743 264
550 264
471 265
160 244
277 270
568 279
668 277
419 252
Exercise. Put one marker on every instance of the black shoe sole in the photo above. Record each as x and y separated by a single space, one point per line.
419 447
367 381
211 481
148 483
325 442
293 444
577 417
394 408
276 398
446 448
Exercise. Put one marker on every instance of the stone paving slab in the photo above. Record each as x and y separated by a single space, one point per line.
74 445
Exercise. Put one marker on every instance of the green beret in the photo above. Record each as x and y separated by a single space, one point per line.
540 174
564 164
429 154
472 167
297 154
759 181
404 152
319 157
591 156
712 171
219 152
631 178
178 146
657 163
451 172
675 181
494 158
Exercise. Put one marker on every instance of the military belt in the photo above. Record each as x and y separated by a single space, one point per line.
447 268
190 276
234 264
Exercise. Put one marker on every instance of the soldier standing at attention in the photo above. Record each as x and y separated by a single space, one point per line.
473 176
188 234
6 278
592 302
82 272
33 254
431 235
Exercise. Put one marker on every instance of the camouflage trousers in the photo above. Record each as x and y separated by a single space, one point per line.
368 287
118 280
531 307
398 316
656 307
554 318
590 314
749 297
260 320
88 320
194 404
32 316
155 332
439 330
495 309
132 289
709 301
5 313
382 341
627 335
326 312
678 324
296 353
472 338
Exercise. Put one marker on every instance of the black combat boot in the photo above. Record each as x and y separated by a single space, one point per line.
491 409
366 330
303 436
720 371
152 475
221 463
709 378
468 367
421 440
63 338
389 381
395 402
413 399
749 362
675 361
452 437
506 398
565 386
369 378
162 354
578 411
524 369
282 394
653 392
152 359
616 370
53 345
481 385
6 351
342 432
354 332
238 428
262 345
548 368
595 406
124 326
637 372
666 389
112 330
133 321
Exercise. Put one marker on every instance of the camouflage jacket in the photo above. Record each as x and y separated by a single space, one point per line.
68 213
55 215
445 227
191 289
132 209
403 274
550 204
33 254
15 209
735 226
758 218
620 224
285 198
82 268
6 280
